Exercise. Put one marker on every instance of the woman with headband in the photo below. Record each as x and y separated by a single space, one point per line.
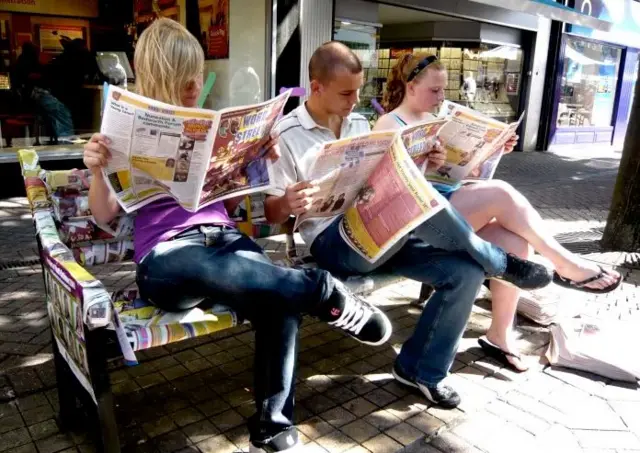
496 210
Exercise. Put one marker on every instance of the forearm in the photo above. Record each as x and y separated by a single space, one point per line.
276 210
102 202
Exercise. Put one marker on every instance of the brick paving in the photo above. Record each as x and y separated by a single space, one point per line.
194 396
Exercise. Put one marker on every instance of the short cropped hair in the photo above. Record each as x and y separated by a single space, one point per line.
331 57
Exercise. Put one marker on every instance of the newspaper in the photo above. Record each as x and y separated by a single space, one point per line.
474 144
374 182
193 155
596 345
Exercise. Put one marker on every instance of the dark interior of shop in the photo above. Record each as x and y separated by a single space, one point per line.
52 68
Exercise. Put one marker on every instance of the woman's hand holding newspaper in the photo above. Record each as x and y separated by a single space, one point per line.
437 156
511 143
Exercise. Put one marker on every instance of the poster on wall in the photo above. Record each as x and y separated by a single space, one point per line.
52 36
214 28
146 11
22 38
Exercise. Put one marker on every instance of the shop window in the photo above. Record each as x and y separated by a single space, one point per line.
363 39
588 86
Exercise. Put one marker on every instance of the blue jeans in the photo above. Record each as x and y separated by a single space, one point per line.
448 230
227 267
429 353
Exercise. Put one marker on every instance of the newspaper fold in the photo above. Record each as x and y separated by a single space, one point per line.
195 156
374 182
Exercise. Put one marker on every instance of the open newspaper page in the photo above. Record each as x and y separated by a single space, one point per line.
395 199
237 165
341 170
158 150
419 140
473 142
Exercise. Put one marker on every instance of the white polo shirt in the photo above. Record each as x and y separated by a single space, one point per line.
301 139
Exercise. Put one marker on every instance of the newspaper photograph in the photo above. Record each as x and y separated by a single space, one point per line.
193 155
341 169
395 199
420 139
237 165
473 142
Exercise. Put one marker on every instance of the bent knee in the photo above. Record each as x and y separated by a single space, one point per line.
506 193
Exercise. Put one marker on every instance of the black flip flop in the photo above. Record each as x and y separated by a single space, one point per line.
499 354
580 286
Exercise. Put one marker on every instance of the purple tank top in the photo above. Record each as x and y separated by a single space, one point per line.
165 218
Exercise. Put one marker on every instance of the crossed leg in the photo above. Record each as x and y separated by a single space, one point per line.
496 200
503 216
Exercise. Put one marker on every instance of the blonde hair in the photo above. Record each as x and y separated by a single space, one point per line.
166 59
397 81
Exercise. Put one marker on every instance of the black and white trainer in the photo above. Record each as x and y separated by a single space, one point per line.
441 394
357 317
525 274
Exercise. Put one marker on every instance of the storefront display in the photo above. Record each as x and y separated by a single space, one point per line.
484 77
363 39
589 83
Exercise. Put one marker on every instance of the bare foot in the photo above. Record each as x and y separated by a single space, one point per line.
582 270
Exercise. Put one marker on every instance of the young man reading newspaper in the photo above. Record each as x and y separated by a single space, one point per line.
443 251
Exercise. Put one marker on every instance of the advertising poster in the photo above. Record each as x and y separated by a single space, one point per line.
52 36
214 28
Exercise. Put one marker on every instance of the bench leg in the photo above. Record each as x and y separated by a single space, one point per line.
96 342
67 386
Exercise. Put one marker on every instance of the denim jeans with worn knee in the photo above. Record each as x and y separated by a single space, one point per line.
429 353
226 267
448 230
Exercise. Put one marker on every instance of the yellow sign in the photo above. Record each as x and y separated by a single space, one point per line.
69 8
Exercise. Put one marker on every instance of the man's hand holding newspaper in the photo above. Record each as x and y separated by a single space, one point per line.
381 181
374 182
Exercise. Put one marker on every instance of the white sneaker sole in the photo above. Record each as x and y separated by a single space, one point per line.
424 390
403 380
298 448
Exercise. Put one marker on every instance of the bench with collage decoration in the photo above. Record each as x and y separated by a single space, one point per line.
94 323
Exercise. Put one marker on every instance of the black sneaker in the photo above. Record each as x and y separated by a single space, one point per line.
441 394
525 274
357 317
285 442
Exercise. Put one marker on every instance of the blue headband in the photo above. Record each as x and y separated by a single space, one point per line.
423 64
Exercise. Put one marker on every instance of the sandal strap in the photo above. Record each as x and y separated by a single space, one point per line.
497 348
597 277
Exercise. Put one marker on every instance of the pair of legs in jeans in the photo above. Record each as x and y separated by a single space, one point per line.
224 264
456 277
444 253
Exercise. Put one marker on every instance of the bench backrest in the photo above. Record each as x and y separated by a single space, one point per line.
69 240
